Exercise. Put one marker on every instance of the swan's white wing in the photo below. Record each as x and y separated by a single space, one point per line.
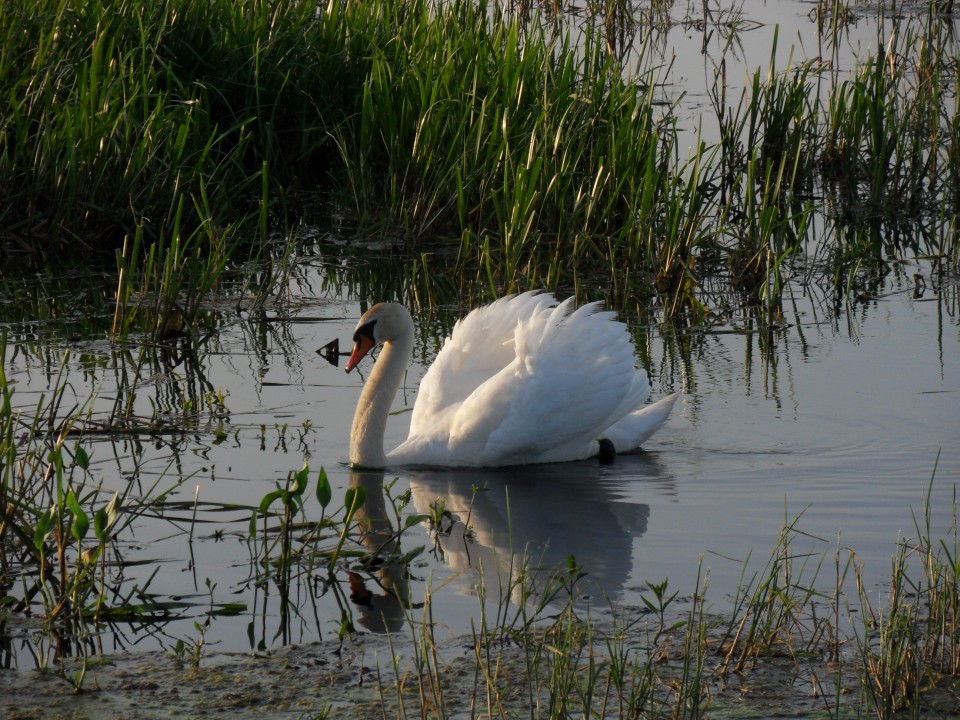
525 380
576 376
635 428
573 375
481 345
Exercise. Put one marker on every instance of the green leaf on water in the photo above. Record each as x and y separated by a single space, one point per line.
81 523
228 609
44 527
324 492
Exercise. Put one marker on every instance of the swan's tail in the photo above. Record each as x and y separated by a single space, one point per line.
631 431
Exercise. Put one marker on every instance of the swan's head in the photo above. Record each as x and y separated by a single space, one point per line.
380 324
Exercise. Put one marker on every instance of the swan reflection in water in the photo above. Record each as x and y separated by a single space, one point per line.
379 609
529 518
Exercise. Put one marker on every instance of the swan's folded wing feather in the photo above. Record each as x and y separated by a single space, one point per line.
526 380
635 428
572 378
481 345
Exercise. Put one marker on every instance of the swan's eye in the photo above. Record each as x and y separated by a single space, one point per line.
364 331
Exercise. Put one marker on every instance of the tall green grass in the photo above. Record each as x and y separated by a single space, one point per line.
518 140
512 138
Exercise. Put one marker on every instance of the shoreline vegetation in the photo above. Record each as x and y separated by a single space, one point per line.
503 140
174 151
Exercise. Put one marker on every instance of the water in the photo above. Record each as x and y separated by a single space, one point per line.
837 419
840 419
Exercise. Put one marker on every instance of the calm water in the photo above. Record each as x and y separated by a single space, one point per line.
839 416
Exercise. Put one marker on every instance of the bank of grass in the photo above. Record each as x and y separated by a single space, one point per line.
117 114
512 138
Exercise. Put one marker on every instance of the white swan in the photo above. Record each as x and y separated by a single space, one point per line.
522 380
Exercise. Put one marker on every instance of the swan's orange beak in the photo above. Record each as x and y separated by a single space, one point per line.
361 347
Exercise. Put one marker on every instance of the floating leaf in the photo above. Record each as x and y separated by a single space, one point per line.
228 609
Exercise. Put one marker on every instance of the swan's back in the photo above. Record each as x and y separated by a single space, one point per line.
525 379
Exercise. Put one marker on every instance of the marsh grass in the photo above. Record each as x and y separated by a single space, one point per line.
65 539
62 535
122 114
641 217
512 135
539 643
175 135
169 129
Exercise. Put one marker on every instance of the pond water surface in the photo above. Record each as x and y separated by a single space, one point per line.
839 419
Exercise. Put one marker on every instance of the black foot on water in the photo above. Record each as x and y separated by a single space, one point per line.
608 453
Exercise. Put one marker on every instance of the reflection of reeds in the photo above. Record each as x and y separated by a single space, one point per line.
61 533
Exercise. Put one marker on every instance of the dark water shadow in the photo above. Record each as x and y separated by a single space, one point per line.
379 597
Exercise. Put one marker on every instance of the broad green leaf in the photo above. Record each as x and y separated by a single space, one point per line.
268 500
44 527
100 525
324 492
353 499
300 481
83 458
408 557
414 520
81 523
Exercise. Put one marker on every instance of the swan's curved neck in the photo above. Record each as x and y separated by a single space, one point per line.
370 419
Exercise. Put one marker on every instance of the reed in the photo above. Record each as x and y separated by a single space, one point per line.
511 137
64 534
119 114
772 608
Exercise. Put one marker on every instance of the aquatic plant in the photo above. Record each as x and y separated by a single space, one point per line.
61 533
